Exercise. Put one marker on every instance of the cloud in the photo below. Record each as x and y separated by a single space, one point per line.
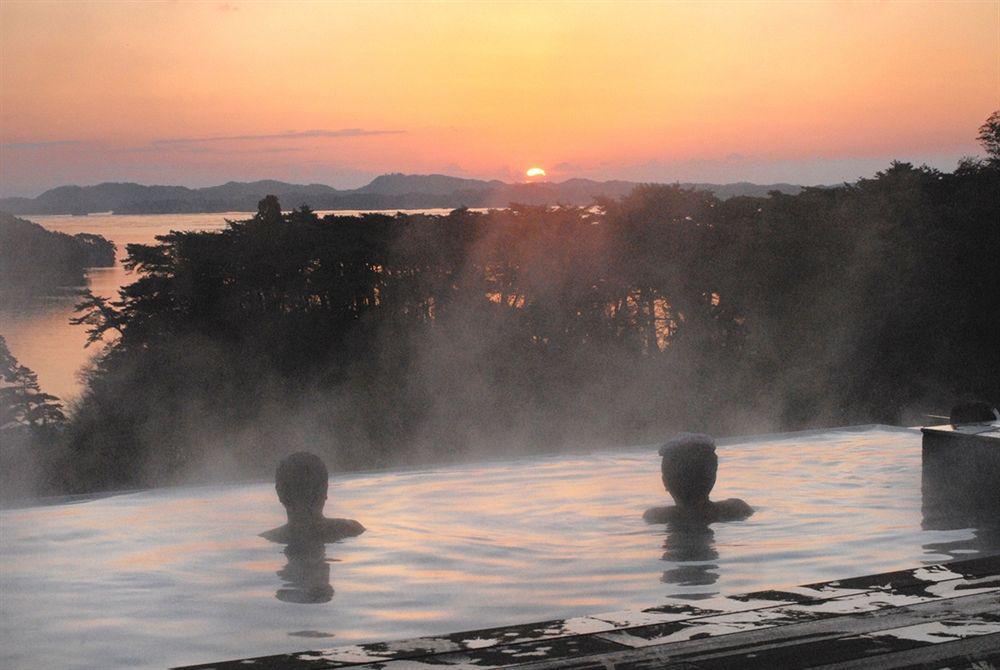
291 135
39 145
182 148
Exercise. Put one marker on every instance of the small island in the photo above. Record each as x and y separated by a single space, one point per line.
36 261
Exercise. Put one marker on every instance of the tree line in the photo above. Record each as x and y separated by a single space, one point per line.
380 340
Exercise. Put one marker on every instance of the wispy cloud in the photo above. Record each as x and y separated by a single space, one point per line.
195 148
291 135
39 145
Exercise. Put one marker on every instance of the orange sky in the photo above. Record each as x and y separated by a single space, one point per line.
803 92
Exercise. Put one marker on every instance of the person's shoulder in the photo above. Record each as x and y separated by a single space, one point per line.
342 528
279 534
733 509
660 514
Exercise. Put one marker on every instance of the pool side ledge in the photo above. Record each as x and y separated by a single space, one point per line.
933 616
961 467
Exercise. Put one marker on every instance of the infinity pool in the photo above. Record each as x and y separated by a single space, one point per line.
178 576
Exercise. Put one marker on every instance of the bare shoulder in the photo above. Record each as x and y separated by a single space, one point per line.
329 530
338 528
733 509
279 534
660 514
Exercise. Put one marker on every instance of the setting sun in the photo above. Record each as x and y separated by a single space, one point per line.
535 172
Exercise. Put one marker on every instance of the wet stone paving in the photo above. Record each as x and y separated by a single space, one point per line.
934 616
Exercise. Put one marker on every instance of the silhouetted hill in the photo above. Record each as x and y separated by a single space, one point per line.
390 191
432 184
100 198
237 190
35 260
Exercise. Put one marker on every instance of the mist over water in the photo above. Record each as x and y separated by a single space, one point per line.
393 340
181 576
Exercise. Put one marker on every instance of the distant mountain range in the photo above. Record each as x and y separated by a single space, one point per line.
390 191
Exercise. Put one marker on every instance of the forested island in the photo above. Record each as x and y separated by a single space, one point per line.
386 340
35 261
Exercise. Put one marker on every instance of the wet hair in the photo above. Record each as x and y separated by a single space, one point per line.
689 467
301 479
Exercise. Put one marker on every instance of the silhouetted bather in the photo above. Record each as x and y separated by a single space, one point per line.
689 468
302 482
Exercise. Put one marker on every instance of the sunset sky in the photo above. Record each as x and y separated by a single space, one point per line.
202 93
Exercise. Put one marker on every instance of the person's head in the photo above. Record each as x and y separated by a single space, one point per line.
689 467
301 481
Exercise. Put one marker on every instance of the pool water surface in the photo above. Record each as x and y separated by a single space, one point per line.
180 576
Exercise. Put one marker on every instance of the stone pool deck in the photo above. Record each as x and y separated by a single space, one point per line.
936 616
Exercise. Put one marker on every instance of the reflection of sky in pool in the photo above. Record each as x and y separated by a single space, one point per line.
175 576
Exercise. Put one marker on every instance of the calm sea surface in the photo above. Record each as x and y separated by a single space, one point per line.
39 333
177 576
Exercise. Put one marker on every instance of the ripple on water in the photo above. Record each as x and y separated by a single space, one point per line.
179 576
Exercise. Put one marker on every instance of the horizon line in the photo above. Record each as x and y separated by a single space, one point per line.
486 182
